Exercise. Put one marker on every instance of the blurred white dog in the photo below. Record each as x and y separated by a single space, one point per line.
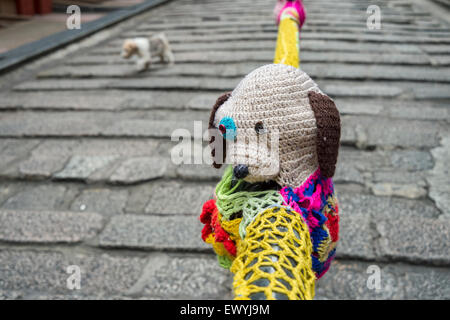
146 48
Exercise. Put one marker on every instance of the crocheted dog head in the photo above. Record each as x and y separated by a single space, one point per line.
276 125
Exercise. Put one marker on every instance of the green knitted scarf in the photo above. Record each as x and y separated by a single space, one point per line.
233 199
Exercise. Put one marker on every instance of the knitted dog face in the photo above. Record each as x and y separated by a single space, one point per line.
282 101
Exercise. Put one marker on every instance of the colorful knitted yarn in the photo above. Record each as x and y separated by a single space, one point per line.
316 202
223 238
227 217
230 200
277 242
274 259
290 19
255 206
297 5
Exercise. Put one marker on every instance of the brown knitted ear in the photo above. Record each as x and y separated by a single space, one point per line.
328 131
220 101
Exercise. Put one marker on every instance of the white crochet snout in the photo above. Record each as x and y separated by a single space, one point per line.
258 153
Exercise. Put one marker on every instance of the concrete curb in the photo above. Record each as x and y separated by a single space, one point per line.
13 58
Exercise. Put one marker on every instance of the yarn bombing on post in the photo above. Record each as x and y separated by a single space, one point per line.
274 220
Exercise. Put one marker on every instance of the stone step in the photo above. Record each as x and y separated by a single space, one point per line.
111 162
173 233
107 200
192 187
33 274
338 71
360 37
113 101
360 131
367 229
369 235
125 161
134 100
265 15
411 239
334 88
324 46
352 280
176 83
48 227
359 29
317 24
212 58
401 18
365 236
43 275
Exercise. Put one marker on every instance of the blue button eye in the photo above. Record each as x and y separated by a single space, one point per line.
228 128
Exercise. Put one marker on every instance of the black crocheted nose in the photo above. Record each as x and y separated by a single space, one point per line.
240 171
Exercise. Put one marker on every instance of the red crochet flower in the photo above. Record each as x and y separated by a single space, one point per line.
209 217
205 218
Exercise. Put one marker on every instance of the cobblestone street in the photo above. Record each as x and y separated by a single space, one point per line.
86 176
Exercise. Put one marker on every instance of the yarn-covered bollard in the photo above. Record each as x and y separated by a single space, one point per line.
290 19
287 50
274 260
274 220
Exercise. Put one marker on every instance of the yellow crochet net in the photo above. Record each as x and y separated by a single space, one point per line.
231 227
274 260
287 50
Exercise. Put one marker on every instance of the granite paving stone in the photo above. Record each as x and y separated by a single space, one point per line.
173 232
48 226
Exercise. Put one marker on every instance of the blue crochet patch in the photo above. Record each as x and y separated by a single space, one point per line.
310 190
229 124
